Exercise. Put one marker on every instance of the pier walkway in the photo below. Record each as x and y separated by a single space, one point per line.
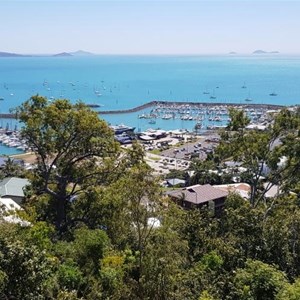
170 103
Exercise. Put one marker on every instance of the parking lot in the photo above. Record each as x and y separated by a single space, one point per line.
198 149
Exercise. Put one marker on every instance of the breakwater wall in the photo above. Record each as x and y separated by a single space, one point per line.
195 104
171 103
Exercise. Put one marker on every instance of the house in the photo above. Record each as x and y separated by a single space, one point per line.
8 204
197 196
8 214
13 188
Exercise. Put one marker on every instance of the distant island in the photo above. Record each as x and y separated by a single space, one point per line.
81 53
62 54
8 54
232 53
264 52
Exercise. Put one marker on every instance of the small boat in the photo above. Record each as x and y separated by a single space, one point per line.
248 99
198 126
273 94
152 122
1 98
213 96
206 92
244 86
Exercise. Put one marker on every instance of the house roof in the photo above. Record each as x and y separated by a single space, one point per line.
273 191
198 194
243 189
13 186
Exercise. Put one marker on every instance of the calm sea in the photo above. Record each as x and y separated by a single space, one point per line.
119 82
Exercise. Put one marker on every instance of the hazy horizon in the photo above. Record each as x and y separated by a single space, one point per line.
149 27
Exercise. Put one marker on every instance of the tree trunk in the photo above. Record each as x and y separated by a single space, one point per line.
60 213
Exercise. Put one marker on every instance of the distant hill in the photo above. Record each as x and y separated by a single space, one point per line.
232 53
8 54
63 54
81 53
264 52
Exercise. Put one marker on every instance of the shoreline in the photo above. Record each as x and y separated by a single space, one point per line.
172 103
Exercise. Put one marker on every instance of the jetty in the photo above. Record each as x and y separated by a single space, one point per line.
174 104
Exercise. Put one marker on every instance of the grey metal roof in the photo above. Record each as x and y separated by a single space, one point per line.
13 186
198 194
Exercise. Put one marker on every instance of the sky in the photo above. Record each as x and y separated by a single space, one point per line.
149 26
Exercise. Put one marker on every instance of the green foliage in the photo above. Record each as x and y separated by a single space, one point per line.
205 296
89 247
290 291
3 281
257 281
67 140
26 270
69 276
40 234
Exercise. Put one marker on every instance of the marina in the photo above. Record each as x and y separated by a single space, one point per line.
12 139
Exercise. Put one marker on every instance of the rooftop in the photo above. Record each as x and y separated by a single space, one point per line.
198 194
13 186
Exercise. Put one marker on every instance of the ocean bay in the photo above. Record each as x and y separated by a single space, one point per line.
123 82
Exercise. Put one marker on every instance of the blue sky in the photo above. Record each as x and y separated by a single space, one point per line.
149 27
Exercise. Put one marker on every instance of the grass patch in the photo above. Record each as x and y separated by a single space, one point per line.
155 151
154 158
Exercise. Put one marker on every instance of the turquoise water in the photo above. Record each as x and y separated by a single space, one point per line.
128 81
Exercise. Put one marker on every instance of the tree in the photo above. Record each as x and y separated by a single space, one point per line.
262 151
257 281
73 147
11 169
205 172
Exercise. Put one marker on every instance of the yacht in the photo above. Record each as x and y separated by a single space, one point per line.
213 96
119 129
273 94
248 99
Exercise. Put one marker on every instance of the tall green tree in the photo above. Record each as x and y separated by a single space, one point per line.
73 147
